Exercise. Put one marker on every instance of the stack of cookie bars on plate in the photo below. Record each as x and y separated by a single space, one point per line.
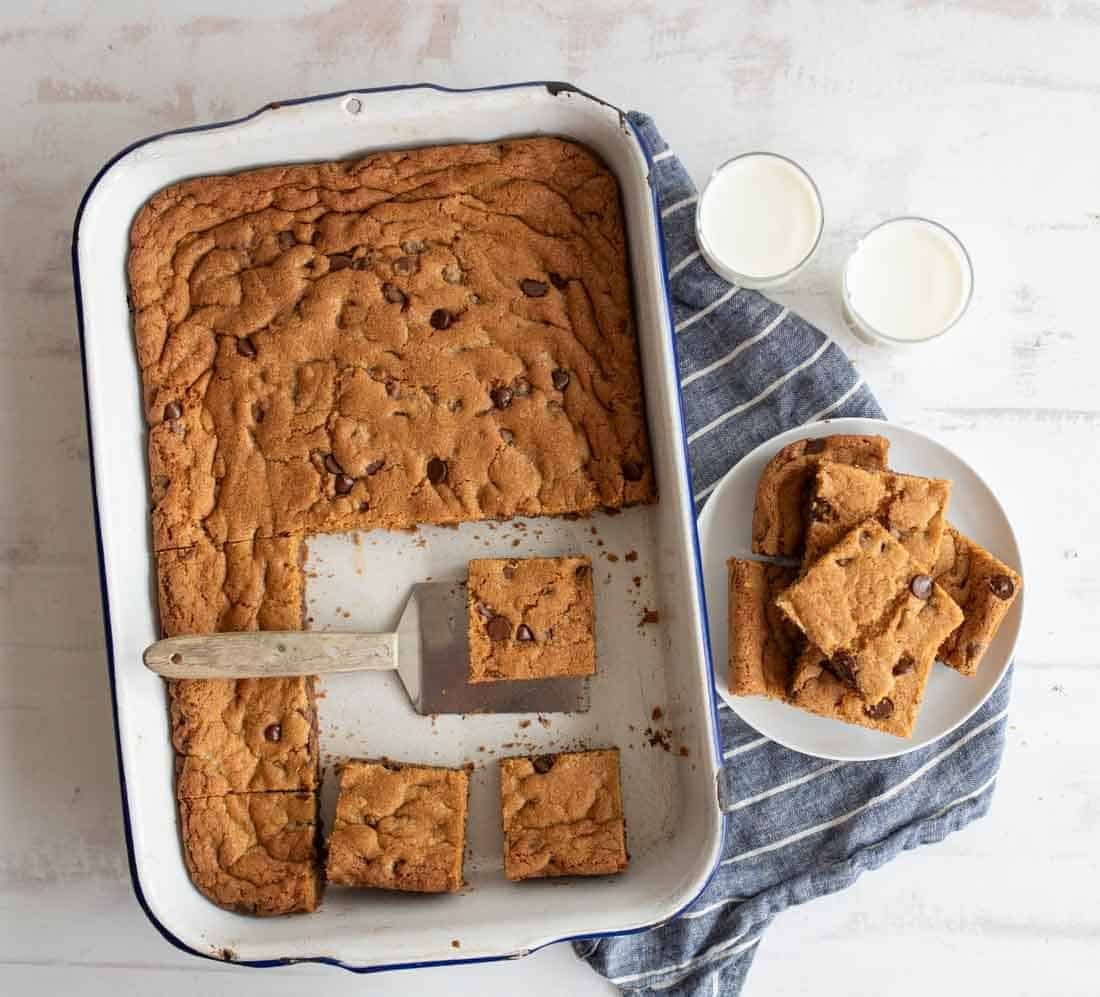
885 587
426 336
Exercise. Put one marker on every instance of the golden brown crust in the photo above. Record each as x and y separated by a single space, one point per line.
912 509
777 518
399 827
763 643
563 815
433 335
255 853
867 607
530 618
984 587
242 736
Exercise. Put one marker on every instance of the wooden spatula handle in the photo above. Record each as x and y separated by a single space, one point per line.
270 654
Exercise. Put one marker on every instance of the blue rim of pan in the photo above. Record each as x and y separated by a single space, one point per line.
555 88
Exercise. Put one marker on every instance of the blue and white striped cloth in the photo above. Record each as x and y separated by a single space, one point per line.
797 827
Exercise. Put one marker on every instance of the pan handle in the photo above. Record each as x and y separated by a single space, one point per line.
270 654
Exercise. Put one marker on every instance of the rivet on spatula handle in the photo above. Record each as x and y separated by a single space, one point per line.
270 654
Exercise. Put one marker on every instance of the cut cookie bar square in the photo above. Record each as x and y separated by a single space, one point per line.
912 509
255 853
984 587
251 585
563 815
779 512
244 735
763 643
531 618
399 827
868 609
816 689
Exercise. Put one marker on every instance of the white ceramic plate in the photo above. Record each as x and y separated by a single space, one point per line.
725 531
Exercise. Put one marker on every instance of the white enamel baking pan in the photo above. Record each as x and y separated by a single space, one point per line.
674 828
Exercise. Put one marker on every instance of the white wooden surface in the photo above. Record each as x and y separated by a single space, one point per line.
985 114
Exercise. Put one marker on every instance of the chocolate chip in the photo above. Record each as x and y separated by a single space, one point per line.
344 484
533 288
339 262
483 611
843 666
523 632
274 732
632 470
905 664
522 387
499 628
257 412
558 280
582 571
502 397
507 435
332 465
815 446
286 239
393 389
921 586
1001 586
246 348
437 471
508 571
441 319
881 710
173 411
393 294
542 763
974 650
375 466
406 265
560 378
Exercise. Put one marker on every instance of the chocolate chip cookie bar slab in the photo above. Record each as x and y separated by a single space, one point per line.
780 507
423 336
530 618
563 815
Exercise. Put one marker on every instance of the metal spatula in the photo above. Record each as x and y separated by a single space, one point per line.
429 652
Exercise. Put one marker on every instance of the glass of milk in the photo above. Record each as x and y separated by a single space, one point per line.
908 280
759 219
